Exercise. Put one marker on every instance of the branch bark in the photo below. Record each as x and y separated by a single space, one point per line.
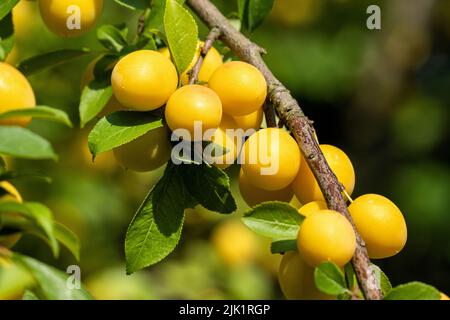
301 127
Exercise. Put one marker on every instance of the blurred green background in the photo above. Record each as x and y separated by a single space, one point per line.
380 95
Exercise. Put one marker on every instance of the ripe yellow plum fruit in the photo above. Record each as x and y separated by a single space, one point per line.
144 80
241 87
146 153
193 104
235 243
254 195
9 193
326 235
225 139
296 279
271 159
15 93
380 223
314 206
444 296
305 185
250 121
70 18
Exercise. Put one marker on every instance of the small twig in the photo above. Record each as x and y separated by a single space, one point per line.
141 22
269 113
213 35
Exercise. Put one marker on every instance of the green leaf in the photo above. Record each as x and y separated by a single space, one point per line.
210 186
154 22
133 4
52 283
68 239
40 217
40 112
22 143
119 128
29 295
94 98
6 6
50 59
9 175
253 12
113 37
382 279
283 246
6 36
156 228
276 220
350 276
413 291
329 279
182 34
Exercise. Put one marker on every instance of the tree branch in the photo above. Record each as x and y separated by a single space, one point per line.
212 36
290 112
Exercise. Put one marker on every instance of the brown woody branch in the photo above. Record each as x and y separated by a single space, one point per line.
212 36
292 115
269 114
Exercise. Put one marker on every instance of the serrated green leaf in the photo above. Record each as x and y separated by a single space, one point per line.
329 279
69 239
50 59
119 128
22 143
156 228
6 36
113 37
210 186
276 220
382 279
52 283
40 217
182 34
283 246
413 291
40 112
6 6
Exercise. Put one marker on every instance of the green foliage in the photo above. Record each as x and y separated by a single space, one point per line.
6 7
120 128
6 36
382 279
51 283
413 291
29 295
182 34
133 4
253 12
156 227
39 112
210 186
22 143
113 38
276 220
50 59
330 279
283 246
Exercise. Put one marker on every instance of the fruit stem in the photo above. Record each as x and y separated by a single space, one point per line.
213 35
269 114
289 110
